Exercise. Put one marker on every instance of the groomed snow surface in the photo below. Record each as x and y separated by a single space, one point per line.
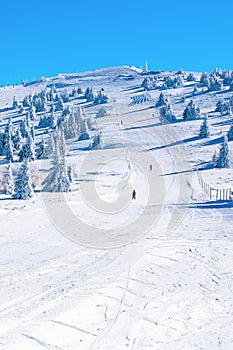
150 273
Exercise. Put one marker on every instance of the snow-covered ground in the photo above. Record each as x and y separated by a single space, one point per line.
94 269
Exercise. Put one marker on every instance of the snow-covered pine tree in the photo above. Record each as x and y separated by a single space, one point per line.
63 183
70 173
62 141
190 77
9 149
191 112
7 140
50 183
162 100
204 129
74 92
59 104
97 142
17 139
195 90
100 98
223 160
32 112
65 96
14 104
23 185
21 109
89 94
28 150
23 128
57 180
83 130
41 150
8 181
230 133
79 113
223 106
166 114
205 80
80 90
215 84
26 101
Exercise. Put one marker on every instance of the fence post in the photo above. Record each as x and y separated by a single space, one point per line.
216 195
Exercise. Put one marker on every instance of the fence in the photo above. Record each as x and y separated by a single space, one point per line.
138 99
214 193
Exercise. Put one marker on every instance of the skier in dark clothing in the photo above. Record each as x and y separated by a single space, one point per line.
134 194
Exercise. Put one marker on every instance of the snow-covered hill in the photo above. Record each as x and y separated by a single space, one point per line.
94 269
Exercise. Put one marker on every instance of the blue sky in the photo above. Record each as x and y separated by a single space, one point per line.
44 37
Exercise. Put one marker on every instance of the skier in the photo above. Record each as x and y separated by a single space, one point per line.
134 194
150 167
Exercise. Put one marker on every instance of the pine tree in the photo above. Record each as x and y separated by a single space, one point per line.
190 77
100 98
14 104
59 104
50 183
23 128
57 180
21 109
41 150
32 112
204 129
89 94
97 142
28 150
83 130
166 114
23 184
191 112
223 160
70 173
62 141
50 146
163 99
8 146
63 183
8 181
9 149
230 133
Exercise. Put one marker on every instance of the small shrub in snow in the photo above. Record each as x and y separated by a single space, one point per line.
102 112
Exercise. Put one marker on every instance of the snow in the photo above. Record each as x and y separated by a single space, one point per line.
92 269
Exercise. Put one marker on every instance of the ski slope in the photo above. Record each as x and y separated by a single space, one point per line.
92 269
